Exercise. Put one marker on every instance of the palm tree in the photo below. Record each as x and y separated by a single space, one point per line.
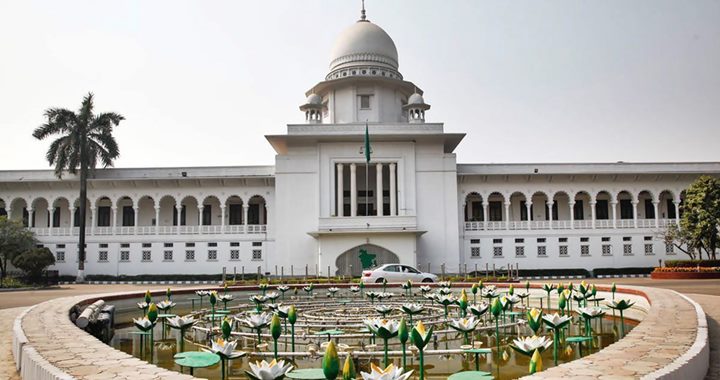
84 138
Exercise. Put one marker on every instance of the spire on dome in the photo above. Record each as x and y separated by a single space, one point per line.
362 12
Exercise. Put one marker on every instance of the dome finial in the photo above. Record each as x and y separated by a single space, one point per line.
362 12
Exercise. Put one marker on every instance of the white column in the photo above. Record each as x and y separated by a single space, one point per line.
178 208
657 217
507 215
93 219
614 204
31 217
222 218
635 212
677 212
528 210
72 218
136 214
571 204
157 220
485 214
353 190
200 218
50 222
379 189
550 212
340 191
393 191
246 207
113 217
593 212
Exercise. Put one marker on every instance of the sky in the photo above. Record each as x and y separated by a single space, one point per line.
201 82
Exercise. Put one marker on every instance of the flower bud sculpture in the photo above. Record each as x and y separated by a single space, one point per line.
292 318
421 337
496 309
535 362
275 330
331 362
534 320
226 329
474 290
463 303
403 335
348 372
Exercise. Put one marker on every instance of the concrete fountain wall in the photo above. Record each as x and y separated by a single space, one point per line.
670 342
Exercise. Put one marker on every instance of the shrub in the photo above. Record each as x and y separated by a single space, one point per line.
692 263
686 270
34 262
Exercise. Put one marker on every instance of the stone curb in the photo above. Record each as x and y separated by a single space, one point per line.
521 278
35 367
694 363
19 338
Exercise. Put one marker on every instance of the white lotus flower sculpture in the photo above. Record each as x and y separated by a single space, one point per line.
143 324
464 324
529 344
255 321
412 308
165 305
143 305
444 284
354 288
268 371
479 309
179 322
225 349
555 321
591 312
489 292
425 288
283 288
258 298
383 309
273 295
225 297
445 291
389 373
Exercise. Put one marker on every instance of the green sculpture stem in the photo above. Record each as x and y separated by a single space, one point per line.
258 334
422 364
556 338
275 348
497 335
467 338
386 352
292 336
222 367
212 317
622 324
404 356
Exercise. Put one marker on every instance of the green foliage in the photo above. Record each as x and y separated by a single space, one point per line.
701 216
692 263
9 282
34 262
14 240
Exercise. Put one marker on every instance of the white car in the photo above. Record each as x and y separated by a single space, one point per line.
396 273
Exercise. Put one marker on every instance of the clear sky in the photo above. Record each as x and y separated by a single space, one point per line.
201 82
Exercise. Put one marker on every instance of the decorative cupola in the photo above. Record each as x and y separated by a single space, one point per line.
313 109
416 108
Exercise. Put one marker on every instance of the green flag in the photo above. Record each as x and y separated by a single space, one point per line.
367 144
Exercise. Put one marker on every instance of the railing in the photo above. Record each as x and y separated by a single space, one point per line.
566 224
154 230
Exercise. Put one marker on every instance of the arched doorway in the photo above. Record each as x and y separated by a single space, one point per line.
355 260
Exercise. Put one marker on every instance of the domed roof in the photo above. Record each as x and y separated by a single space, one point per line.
314 99
364 43
416 99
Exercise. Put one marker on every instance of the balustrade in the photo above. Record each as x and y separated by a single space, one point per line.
153 230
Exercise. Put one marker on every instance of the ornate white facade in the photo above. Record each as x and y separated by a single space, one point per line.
321 201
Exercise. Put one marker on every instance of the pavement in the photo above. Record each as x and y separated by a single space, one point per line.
704 292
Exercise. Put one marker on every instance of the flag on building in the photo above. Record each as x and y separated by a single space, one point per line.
367 144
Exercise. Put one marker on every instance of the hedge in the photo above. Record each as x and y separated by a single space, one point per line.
692 263
629 270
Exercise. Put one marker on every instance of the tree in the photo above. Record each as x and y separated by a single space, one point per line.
14 240
84 139
701 214
34 262
700 220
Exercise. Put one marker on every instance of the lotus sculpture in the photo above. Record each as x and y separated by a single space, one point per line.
420 338
275 370
556 322
529 344
589 313
465 326
479 309
226 351
534 319
385 329
257 322
181 323
621 306
282 289
412 309
389 373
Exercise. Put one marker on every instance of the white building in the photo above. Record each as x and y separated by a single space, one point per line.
321 202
